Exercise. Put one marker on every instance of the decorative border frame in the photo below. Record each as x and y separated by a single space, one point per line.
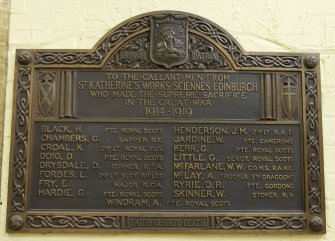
21 140
313 221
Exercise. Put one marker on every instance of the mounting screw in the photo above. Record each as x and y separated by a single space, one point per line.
15 222
24 57
310 61
316 224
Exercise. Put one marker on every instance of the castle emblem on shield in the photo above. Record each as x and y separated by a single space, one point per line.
169 40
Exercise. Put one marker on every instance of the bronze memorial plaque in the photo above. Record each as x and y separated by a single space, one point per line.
166 124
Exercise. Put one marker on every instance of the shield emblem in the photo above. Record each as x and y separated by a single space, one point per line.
289 96
169 40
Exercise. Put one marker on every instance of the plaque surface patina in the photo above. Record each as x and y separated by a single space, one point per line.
166 124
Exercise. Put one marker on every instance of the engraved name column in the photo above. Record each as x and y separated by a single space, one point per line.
61 145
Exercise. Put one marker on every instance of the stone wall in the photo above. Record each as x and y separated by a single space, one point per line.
4 27
264 25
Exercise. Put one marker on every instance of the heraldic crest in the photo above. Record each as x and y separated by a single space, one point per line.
169 40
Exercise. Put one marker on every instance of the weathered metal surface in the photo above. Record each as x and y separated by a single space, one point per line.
166 124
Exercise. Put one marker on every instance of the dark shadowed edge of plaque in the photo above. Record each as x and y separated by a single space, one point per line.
103 55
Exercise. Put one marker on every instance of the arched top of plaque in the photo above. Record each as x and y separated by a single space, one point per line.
167 40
